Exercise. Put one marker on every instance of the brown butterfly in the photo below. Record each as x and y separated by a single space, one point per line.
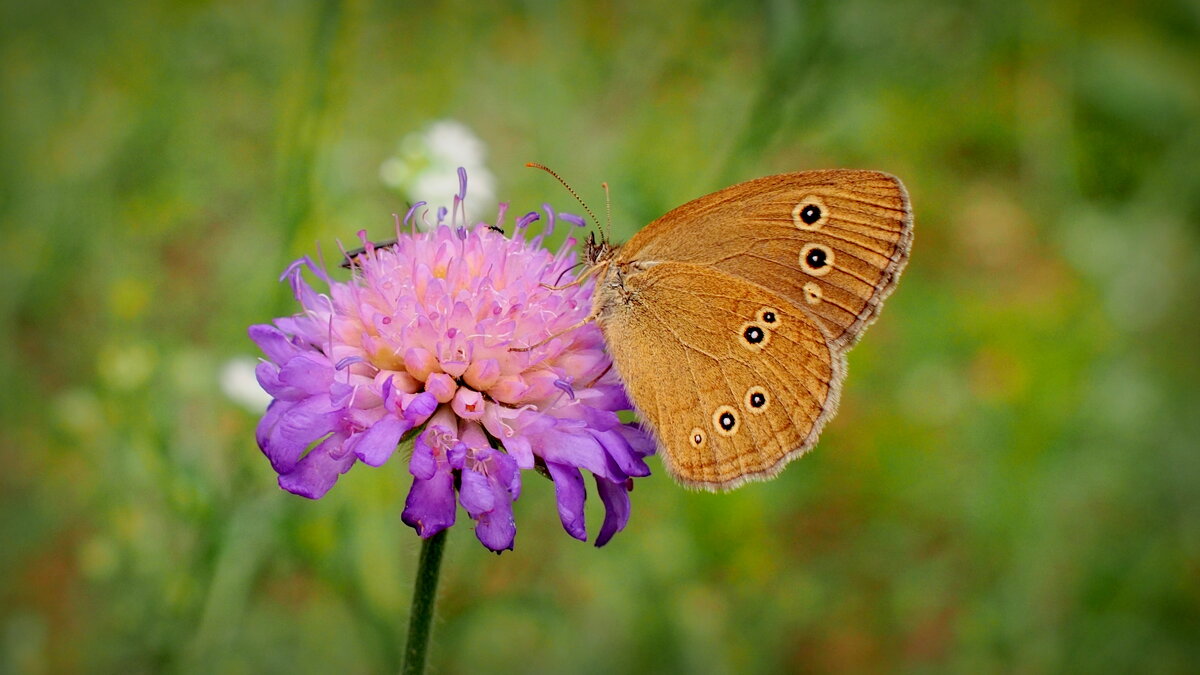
729 318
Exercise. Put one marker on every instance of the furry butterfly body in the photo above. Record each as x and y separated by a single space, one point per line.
729 317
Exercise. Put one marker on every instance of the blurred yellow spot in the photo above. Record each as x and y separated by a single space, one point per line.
998 376
317 535
129 524
128 298
126 366
98 558
78 411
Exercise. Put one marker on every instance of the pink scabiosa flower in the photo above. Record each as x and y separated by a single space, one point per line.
419 344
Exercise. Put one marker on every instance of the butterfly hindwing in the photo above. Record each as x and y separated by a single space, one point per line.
734 378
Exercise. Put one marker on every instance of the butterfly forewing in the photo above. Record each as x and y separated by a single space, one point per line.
734 378
833 242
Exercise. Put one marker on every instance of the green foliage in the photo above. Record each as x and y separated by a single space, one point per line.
1011 484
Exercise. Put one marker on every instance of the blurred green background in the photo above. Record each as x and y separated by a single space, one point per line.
1013 482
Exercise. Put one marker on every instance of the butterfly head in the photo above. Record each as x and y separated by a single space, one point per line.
598 249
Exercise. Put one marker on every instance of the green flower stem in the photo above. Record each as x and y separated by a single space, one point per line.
420 619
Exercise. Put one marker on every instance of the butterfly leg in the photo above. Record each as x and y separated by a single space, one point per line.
588 319
580 279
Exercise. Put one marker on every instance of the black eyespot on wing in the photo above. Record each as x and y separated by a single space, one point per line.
725 420
767 315
816 259
753 334
756 400
809 213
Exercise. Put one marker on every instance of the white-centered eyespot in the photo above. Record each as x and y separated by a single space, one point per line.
725 420
697 438
757 400
769 316
754 336
810 213
816 259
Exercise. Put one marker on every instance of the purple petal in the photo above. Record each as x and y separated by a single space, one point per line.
267 374
423 464
496 529
579 450
621 454
342 395
520 451
616 509
389 394
304 293
506 473
476 493
376 445
298 426
307 374
456 456
569 492
597 419
430 505
273 342
609 397
420 408
262 433
640 440
309 419
319 470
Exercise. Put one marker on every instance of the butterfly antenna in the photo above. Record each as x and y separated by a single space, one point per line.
535 165
608 210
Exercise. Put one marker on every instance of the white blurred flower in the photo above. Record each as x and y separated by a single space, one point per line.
239 383
427 162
